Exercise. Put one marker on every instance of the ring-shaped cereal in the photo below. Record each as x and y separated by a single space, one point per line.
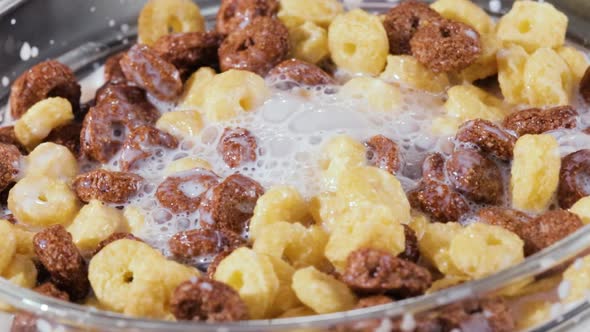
159 17
183 191
575 167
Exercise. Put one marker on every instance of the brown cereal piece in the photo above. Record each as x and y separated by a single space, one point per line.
204 299
237 146
67 135
119 109
106 186
112 68
411 252
433 167
189 51
300 72
199 242
7 136
27 322
548 228
215 262
9 164
230 205
258 47
488 137
382 152
491 314
475 176
510 219
402 22
112 238
50 289
142 142
46 79
439 201
58 254
446 46
148 70
537 121
585 86
183 192
575 168
371 301
236 14
370 271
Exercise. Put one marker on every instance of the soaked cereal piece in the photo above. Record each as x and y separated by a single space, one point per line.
160 17
411 252
582 209
466 12
215 262
488 137
230 204
237 146
384 153
433 167
379 95
67 135
300 72
475 176
321 13
577 276
142 143
56 250
235 14
403 21
21 272
370 271
135 218
203 299
184 191
39 120
494 313
486 64
200 242
533 25
435 246
548 228
9 165
321 292
438 201
510 219
446 46
468 102
181 124
574 168
106 186
112 68
585 86
258 47
8 136
286 299
44 80
576 60
143 66
547 79
535 172
186 164
309 42
512 60
409 71
339 154
112 238
358 42
52 160
195 87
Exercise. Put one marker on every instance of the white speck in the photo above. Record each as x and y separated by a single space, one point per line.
92 9
51 42
119 36
125 41
112 23
25 52
5 81
578 263
471 34
384 326
563 289
34 52
495 6
13 21
408 322
124 27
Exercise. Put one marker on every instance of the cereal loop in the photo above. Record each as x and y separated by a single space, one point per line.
159 17
488 137
200 242
183 191
236 14
237 146
537 121
142 143
475 176
575 168
106 186
300 72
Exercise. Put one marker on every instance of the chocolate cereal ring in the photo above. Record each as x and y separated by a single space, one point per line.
183 192
575 168
236 14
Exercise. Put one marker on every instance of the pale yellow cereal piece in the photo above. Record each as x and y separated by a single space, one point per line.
285 298
577 279
40 119
511 64
96 222
182 124
297 312
548 79
533 25
232 92
582 209
445 125
467 12
418 224
576 60
515 288
161 17
446 282
280 203
146 300
7 245
320 12
340 154
321 292
480 249
535 172
135 218
536 287
24 240
43 201
435 244
358 42
309 42
252 275
533 313
186 164
194 89
407 70
326 207
52 160
21 272
380 96
468 102
92 301
486 64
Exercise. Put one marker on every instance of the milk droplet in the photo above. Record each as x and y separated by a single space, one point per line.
5 81
25 52
13 21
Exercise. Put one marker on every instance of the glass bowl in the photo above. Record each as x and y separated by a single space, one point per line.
82 33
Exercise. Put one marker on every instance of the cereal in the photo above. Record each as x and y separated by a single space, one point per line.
494 313
286 299
159 17
135 218
486 64
184 191
234 15
207 300
300 72
582 209
106 186
585 86
475 176
466 12
409 71
58 254
511 66
535 172
112 238
181 124
433 167
358 42
574 168
94 223
468 102
8 136
488 137
43 201
403 21
142 143
201 242
38 121
438 201
411 252
7 245
382 152
371 301
446 46
44 80
237 146
435 245
215 262
578 277
258 47
21 272
52 160
322 292
49 289
309 42
576 60
371 271
9 165
533 25
510 219
67 135
548 228
112 68
379 95
547 79
195 87
318 12
339 154
186 164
